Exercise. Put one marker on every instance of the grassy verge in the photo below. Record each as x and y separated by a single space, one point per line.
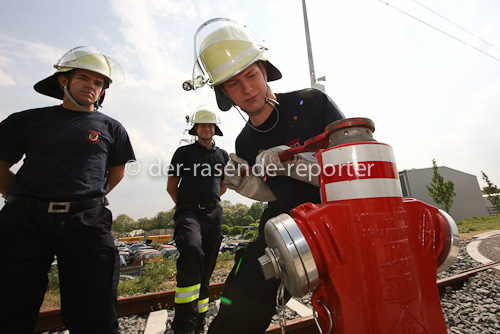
476 225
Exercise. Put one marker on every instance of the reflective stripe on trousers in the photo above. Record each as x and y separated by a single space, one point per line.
185 295
203 305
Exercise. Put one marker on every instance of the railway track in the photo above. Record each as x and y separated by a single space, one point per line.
455 282
51 319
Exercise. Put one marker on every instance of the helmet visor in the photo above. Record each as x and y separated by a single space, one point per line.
92 59
223 48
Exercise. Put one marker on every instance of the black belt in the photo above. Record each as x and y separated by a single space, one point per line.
200 205
56 207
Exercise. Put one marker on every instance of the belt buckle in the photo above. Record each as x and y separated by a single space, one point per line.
66 207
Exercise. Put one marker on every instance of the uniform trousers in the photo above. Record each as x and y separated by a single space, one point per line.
249 301
198 235
87 261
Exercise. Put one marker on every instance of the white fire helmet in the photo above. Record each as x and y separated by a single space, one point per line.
204 115
227 47
82 57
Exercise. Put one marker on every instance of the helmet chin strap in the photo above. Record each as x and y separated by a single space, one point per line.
66 91
269 100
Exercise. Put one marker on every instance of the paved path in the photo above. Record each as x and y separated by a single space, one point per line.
486 248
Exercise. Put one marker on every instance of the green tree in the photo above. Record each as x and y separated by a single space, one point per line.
227 213
123 223
256 210
118 226
247 220
250 235
492 191
236 230
253 233
441 192
163 219
240 211
233 214
225 229
144 224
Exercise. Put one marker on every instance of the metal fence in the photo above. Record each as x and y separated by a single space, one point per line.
131 270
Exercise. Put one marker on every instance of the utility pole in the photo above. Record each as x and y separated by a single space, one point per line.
312 74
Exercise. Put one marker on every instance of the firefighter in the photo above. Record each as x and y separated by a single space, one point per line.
230 59
195 184
55 203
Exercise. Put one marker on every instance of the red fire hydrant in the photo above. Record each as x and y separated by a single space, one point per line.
369 256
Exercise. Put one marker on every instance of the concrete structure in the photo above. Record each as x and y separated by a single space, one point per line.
468 201
491 209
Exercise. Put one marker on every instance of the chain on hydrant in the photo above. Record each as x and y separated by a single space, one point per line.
368 256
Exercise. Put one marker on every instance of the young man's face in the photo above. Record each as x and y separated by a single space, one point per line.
248 88
205 130
86 87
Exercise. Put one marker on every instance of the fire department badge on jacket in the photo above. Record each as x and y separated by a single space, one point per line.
93 136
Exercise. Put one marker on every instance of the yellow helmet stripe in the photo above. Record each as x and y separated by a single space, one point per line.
228 64
90 67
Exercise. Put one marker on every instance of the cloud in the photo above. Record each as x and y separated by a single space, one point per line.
148 28
28 51
5 79
25 62
156 59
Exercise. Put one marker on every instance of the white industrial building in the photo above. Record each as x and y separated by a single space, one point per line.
468 201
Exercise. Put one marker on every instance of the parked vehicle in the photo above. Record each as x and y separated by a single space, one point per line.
121 243
147 256
240 245
126 256
123 249
136 254
167 246
136 245
169 251
227 248
123 262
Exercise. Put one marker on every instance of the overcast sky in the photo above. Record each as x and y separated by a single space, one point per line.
431 95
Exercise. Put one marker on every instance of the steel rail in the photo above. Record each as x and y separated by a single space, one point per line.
455 282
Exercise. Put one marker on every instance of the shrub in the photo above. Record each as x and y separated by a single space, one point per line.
153 275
